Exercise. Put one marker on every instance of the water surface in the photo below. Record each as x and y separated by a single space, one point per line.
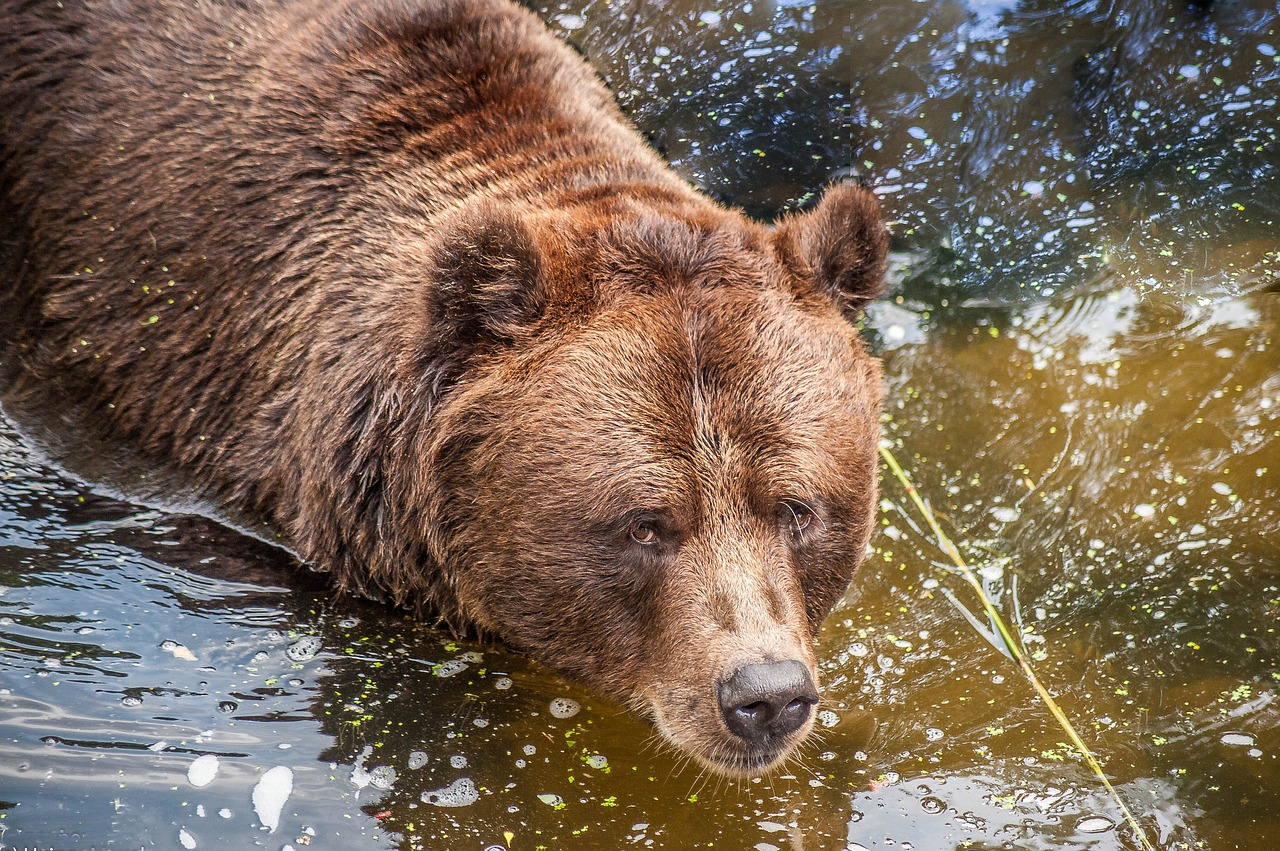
1084 380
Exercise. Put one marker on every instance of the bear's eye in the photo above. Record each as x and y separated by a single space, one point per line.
797 515
644 534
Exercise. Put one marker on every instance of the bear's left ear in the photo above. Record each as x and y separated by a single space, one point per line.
486 282
840 248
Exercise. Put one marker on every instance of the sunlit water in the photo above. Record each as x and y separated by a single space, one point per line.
1081 352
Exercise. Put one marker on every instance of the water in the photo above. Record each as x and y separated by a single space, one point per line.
1081 352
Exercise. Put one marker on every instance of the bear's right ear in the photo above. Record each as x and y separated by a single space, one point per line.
840 248
486 281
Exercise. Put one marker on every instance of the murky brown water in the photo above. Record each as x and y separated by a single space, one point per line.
1084 368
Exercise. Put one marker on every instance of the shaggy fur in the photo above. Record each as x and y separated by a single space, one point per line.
399 278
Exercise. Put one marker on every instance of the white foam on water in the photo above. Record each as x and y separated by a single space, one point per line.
269 795
459 793
564 707
203 770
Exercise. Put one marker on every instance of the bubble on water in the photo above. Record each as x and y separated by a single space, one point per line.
1144 509
1095 824
187 840
179 651
1005 514
416 760
458 761
84 630
1266 49
296 681
203 770
225 813
382 777
131 700
827 718
449 669
1221 488
460 793
1237 740
1033 187
917 132
304 648
1190 72
564 707
270 794
348 623
502 683
932 805
260 657
933 734
480 722
529 750
858 649
571 22
710 18
598 761
226 706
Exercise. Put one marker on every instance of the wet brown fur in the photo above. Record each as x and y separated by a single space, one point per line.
397 276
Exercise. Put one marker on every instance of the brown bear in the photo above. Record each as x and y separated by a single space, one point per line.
399 278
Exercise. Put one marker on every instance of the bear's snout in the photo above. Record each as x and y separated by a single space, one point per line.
765 702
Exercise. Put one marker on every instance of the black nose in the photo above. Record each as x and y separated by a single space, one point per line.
769 699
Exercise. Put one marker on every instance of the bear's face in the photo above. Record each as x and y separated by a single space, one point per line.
666 498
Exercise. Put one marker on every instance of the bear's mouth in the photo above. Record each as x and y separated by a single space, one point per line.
747 764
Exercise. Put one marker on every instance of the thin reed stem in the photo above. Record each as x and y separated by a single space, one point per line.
1014 646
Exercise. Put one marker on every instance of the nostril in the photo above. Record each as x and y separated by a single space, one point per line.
768 699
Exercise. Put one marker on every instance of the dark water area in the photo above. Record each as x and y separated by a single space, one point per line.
1082 350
